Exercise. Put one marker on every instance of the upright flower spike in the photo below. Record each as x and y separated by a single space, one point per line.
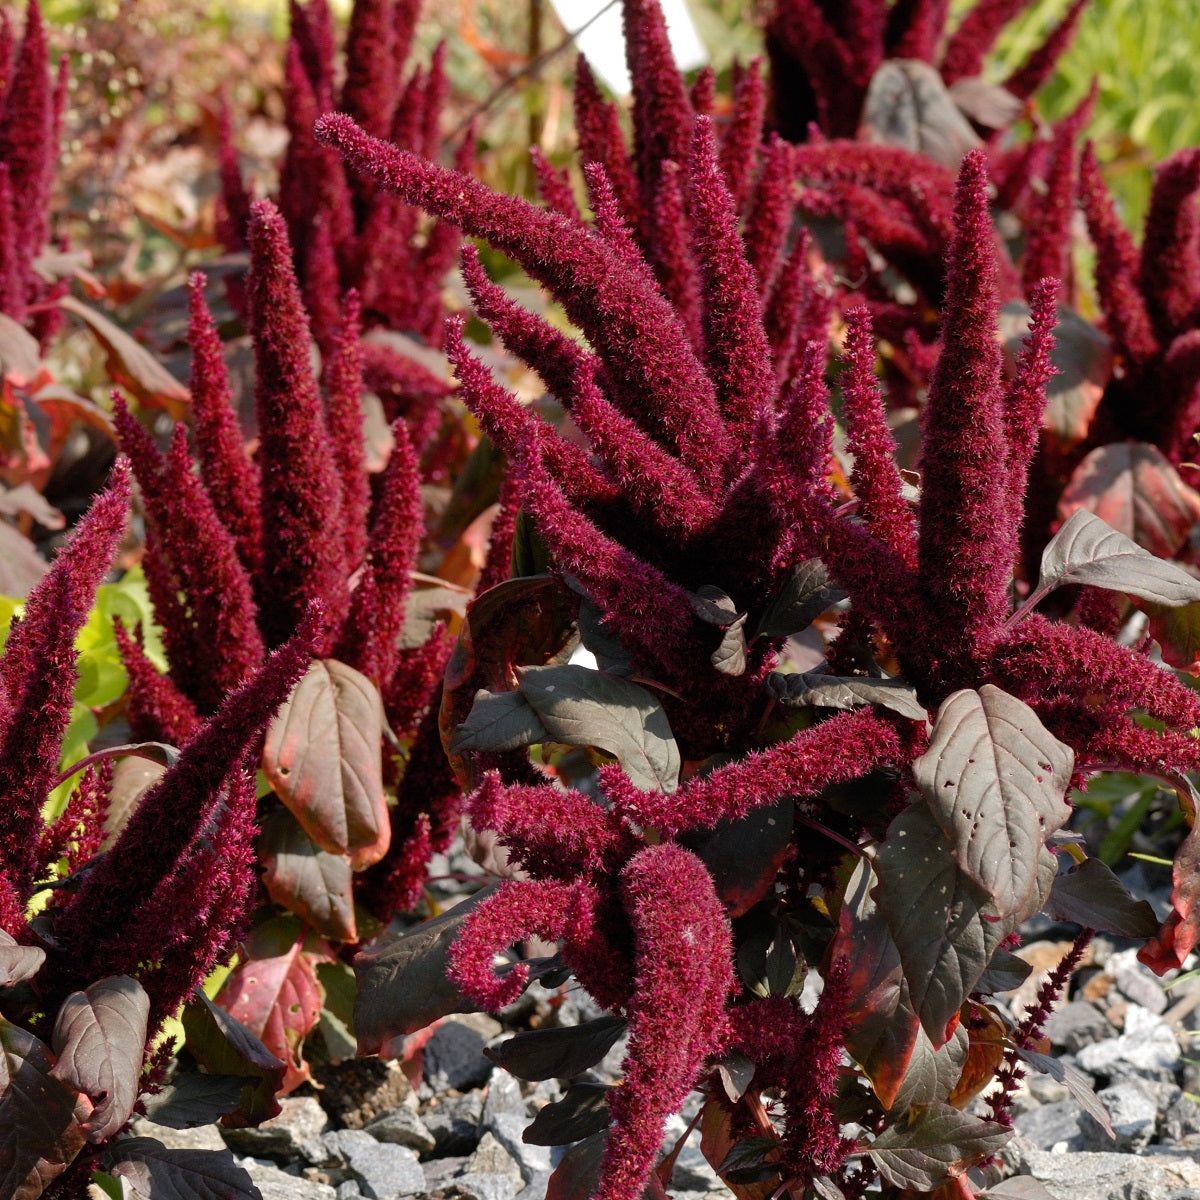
230 475
1039 66
915 28
233 206
670 233
368 93
344 415
37 678
739 146
770 214
875 478
1048 250
1170 259
598 128
964 498
370 640
127 904
156 709
976 34
304 558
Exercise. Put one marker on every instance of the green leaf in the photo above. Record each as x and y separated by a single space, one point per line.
1088 551
995 780
938 1145
581 707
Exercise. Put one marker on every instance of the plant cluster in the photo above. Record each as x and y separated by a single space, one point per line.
685 542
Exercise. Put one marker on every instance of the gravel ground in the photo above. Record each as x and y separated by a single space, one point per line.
369 1133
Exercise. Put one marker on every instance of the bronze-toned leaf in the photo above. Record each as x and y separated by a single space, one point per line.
306 880
158 1173
324 759
1089 894
17 962
938 1144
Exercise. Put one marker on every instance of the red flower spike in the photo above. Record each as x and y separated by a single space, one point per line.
964 498
1039 66
875 478
12 278
554 186
498 565
77 833
410 691
703 93
1170 261
682 976
770 214
662 113
799 309
976 34
915 28
1048 248
743 135
370 641
312 31
233 201
156 709
37 677
639 338
369 93
303 559
1126 316
127 902
344 416
598 128
551 832
607 219
670 237
739 356
845 747
230 475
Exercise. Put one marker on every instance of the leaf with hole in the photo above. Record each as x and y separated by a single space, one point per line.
1088 551
939 1144
99 1038
498 721
995 779
812 690
306 880
323 758
1089 894
158 1173
582 1112
581 707
562 1053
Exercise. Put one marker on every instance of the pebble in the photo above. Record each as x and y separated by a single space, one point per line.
1076 1025
453 1122
1053 1127
1147 1044
294 1133
491 1173
1133 1112
1089 1176
382 1171
275 1184
454 1058
1136 982
203 1137
402 1128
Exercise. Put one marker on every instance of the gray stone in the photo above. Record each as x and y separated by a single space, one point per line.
275 1184
1086 1176
1043 1090
535 1189
348 1190
453 1122
491 1173
203 1137
503 1097
1051 1126
1076 1025
441 1172
402 1128
1146 1045
295 1133
382 1171
509 1131
1133 1112
1136 982
454 1058
1181 1121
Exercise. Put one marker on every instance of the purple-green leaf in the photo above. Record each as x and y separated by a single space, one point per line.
1090 895
939 1144
158 1173
306 880
17 962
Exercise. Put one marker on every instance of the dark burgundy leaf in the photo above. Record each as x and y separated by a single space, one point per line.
931 1073
735 1072
582 1112
811 690
716 607
40 1132
807 593
937 1145
191 1100
100 1038
557 1053
323 758
769 961
581 707
222 1045
995 780
610 655
498 721
1004 973
158 1173
1089 894
402 982
306 880
908 105
17 962
1075 1081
